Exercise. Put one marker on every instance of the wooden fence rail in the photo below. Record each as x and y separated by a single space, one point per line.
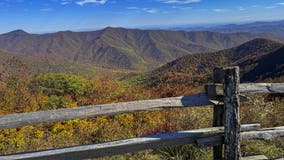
196 100
206 137
22 119
225 95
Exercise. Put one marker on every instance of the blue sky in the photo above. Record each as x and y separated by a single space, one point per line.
39 16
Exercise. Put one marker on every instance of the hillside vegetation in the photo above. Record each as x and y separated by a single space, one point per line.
264 67
28 84
259 55
55 91
120 48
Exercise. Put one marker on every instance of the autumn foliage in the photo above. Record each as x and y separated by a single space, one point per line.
57 90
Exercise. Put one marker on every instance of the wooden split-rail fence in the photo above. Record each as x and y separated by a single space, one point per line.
225 136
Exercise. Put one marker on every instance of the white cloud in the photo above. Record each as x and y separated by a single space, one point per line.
65 2
255 6
16 1
150 10
181 7
83 2
275 5
242 9
220 10
270 7
180 1
46 9
132 8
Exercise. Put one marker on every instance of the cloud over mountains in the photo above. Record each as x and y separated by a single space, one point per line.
83 2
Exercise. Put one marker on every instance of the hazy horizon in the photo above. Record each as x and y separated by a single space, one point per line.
167 27
46 16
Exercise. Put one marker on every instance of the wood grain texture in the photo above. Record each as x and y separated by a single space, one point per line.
122 146
253 88
264 134
232 117
258 134
214 90
218 111
219 139
17 120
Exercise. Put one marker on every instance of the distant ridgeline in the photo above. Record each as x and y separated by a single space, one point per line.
259 60
115 48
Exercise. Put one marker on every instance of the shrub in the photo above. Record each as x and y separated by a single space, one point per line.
60 84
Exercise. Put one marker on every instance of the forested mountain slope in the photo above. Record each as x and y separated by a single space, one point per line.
258 59
120 48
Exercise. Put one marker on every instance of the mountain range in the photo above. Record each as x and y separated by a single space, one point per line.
259 59
119 48
275 27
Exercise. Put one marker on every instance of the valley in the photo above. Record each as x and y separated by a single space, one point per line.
119 48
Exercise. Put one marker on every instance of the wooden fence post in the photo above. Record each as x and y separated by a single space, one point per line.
232 120
218 113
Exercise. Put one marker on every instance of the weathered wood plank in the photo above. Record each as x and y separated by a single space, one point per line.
122 146
221 103
17 120
264 134
232 117
214 90
258 134
210 141
252 88
219 139
256 157
218 111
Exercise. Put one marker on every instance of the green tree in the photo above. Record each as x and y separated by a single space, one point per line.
61 84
